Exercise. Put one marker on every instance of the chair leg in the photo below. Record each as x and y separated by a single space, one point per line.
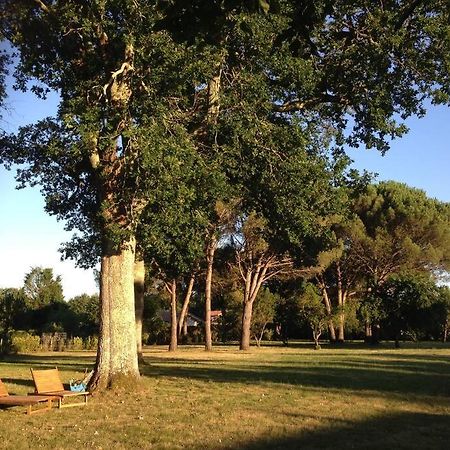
47 406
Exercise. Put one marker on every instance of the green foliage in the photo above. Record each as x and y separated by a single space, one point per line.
411 304
85 315
400 228
231 324
90 343
289 315
289 73
22 342
12 310
76 344
156 330
264 310
313 311
41 289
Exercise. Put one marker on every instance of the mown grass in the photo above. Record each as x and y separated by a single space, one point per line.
269 398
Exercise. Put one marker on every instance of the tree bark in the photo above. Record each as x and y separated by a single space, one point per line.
139 280
184 309
341 304
210 251
173 317
117 361
246 325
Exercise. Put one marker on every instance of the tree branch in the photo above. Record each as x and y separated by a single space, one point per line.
43 6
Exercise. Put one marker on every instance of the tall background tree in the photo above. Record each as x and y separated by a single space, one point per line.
391 228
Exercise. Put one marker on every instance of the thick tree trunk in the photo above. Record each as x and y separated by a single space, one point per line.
182 324
117 361
246 325
210 251
173 317
139 280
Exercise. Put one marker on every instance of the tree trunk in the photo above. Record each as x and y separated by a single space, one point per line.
326 300
316 336
341 327
213 97
445 333
117 361
139 279
173 317
246 325
254 278
341 304
367 331
210 251
182 327
258 338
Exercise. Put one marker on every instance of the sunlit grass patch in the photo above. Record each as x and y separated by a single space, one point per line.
271 397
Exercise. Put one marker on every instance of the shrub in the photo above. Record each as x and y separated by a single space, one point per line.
77 343
22 341
91 343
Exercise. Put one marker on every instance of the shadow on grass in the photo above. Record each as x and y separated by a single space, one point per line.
399 431
19 381
405 377
64 362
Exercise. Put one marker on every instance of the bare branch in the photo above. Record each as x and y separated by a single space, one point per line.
43 6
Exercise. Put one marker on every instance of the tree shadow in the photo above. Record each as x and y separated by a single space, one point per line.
408 377
63 362
406 430
19 382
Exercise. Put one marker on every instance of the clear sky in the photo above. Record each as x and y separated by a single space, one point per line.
420 159
29 237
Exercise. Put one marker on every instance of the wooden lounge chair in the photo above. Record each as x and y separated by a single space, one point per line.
48 382
25 400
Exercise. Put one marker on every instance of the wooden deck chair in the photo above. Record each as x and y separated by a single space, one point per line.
25 400
48 382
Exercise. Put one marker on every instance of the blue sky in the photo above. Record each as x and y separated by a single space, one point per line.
420 159
29 237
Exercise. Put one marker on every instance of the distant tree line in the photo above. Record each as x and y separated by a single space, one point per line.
377 274
39 308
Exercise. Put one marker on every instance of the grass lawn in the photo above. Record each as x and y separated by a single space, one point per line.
269 398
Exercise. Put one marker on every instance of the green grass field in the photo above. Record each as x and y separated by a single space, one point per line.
269 398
